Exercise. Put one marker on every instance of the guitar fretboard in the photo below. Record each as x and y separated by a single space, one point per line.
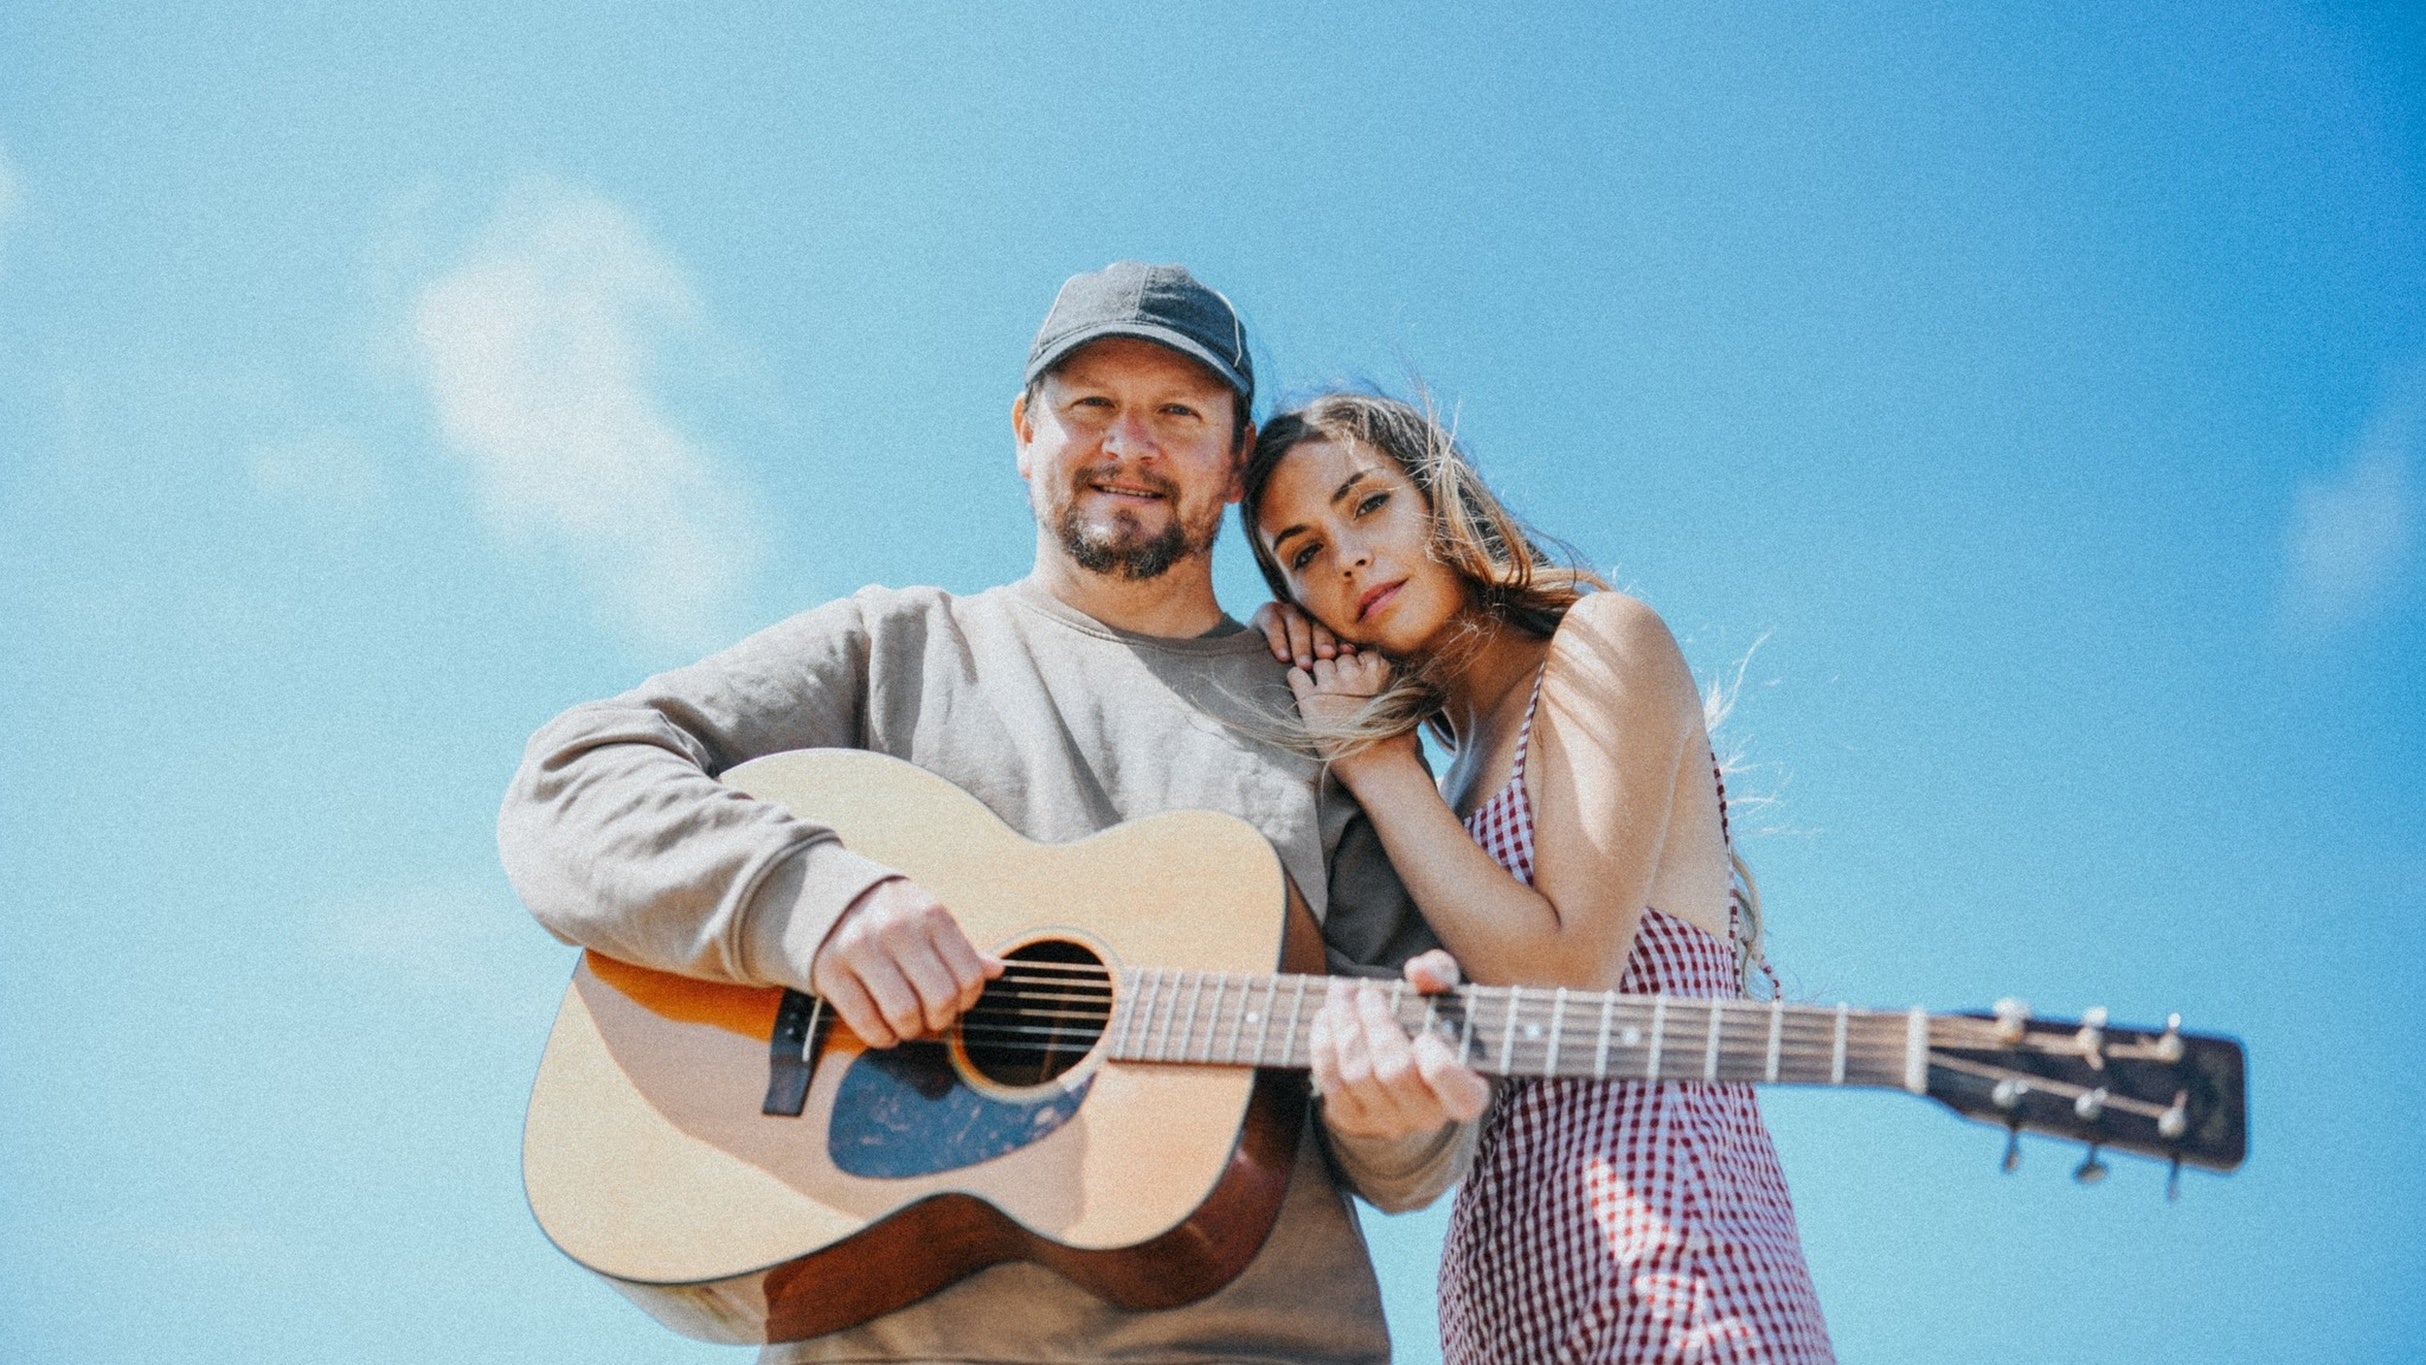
1258 1019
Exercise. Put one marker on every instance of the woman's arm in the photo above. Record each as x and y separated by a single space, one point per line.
1616 711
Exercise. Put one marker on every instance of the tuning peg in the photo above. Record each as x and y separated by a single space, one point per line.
2011 1016
2091 1104
2175 1121
2173 1180
2169 1047
2008 1093
2013 1151
2092 1036
2091 1170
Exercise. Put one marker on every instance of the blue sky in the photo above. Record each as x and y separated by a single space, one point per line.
2042 391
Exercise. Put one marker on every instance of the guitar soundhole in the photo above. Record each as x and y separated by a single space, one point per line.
1041 1016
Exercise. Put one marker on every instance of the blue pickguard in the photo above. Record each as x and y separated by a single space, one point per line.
904 1112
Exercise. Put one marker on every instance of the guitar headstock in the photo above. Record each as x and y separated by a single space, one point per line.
2179 1097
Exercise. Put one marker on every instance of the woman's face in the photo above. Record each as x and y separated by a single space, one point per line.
1353 535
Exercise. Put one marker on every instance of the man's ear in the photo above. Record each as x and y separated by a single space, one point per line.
1022 431
1237 491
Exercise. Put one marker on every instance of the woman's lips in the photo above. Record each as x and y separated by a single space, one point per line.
1376 598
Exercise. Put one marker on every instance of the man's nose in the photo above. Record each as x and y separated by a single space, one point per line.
1129 434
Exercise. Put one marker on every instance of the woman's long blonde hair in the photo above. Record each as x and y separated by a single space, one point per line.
1512 581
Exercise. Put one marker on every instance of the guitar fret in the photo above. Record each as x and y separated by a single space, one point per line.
1221 983
1659 1026
1170 1016
1600 1051
1836 1060
1297 1007
1187 1027
1777 1022
1710 1053
1139 994
1465 1032
1127 1014
1507 1039
1263 1023
1558 1007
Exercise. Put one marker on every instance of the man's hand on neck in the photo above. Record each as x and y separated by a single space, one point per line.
1177 604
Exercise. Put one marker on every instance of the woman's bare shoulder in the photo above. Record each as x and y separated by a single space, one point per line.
1611 640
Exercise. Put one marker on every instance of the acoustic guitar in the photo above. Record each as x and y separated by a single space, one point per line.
1122 1104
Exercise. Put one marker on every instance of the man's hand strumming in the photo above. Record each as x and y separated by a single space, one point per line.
897 966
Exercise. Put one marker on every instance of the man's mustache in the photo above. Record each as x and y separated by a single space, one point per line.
1113 473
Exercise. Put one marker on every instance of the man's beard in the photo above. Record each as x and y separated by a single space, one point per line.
1121 549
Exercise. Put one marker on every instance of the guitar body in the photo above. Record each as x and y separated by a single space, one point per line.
647 1156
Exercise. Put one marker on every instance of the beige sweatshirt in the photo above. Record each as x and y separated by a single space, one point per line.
618 838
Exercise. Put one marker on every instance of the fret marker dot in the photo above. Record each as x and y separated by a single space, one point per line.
1632 1037
1533 1030
1254 1018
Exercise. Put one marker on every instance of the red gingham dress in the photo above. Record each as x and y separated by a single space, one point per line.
1612 1221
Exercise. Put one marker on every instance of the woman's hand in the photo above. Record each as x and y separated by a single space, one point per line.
1330 694
1332 691
1295 637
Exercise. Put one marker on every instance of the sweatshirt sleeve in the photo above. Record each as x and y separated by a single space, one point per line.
618 837
1371 928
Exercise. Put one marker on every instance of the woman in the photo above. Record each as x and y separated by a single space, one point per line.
1578 839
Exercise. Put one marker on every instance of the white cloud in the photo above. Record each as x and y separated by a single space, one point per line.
2354 533
538 351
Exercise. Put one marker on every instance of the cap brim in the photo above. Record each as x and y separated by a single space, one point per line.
1188 346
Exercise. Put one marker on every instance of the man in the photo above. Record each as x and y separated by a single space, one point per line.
1106 686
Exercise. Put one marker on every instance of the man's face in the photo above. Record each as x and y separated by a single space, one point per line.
1128 455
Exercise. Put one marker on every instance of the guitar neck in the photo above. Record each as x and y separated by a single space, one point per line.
1243 1019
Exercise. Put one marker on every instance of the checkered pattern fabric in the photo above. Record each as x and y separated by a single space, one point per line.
1609 1221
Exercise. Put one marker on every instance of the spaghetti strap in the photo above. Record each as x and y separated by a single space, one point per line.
1524 733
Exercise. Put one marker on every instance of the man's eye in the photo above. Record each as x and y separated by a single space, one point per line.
1178 410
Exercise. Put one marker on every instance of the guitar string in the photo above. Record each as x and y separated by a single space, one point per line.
1812 1028
1533 1000
1812 1038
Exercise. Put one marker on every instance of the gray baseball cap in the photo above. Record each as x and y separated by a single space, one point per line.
1159 303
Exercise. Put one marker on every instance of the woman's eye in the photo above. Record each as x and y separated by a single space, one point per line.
1371 504
1302 558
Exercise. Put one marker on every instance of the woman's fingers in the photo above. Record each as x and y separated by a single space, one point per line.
1294 637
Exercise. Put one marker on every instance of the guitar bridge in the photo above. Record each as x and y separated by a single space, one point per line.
800 1025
